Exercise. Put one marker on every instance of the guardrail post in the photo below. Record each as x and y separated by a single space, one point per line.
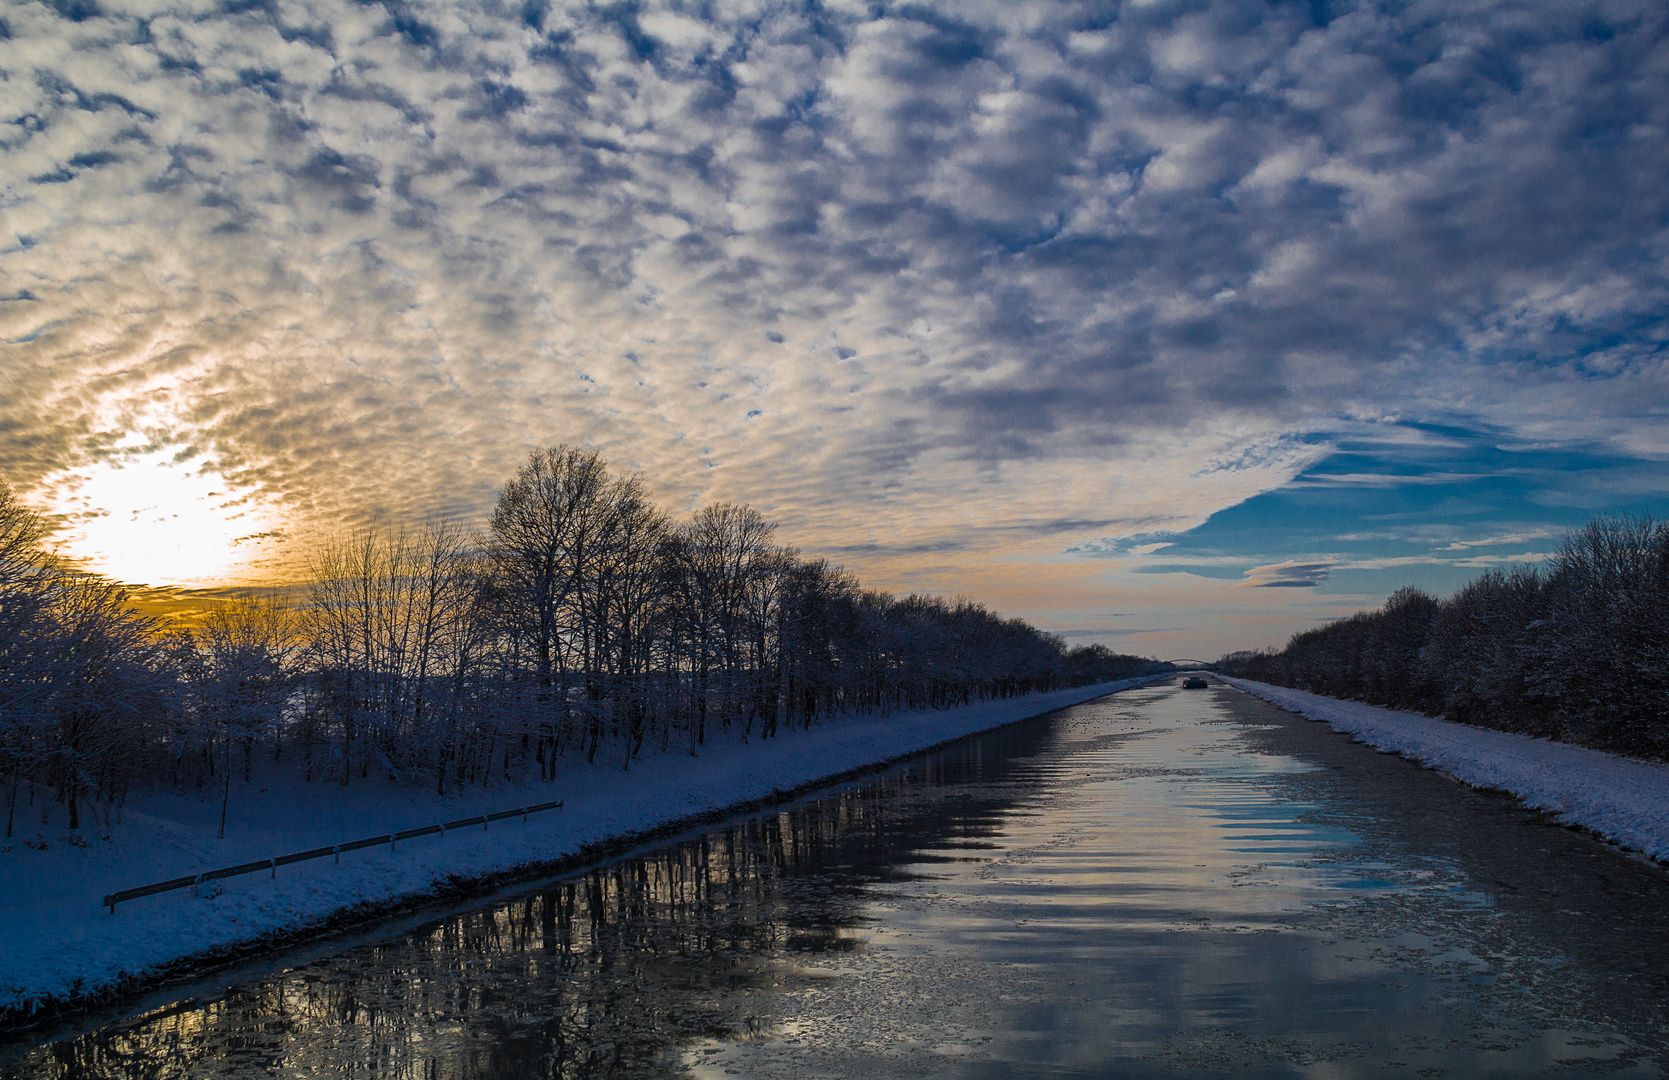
390 841
483 822
272 864
336 850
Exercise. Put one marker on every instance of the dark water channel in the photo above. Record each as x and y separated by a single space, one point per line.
1160 883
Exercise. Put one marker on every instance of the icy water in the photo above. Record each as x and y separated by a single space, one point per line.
1161 883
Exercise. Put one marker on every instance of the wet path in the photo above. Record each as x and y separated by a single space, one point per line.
1161 883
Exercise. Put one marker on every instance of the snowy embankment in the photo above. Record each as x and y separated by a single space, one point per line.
59 946
1622 799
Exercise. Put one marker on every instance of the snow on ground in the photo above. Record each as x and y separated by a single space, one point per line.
1620 798
57 941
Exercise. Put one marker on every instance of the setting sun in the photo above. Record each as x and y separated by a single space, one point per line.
151 520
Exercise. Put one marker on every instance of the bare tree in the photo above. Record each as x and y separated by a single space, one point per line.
395 633
543 533
109 686
628 596
726 548
29 581
248 657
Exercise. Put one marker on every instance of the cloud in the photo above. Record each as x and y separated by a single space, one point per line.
1142 543
864 266
1224 569
1517 537
1288 575
1385 480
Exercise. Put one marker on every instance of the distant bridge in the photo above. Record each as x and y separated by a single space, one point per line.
1189 664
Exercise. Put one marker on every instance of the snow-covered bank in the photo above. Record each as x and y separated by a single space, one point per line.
1624 800
58 944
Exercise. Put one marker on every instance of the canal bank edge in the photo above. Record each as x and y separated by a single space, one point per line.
29 1011
1621 801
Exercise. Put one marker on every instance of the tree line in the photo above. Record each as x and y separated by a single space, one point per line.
583 621
1577 650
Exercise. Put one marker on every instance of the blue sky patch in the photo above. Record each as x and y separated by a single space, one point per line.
1419 504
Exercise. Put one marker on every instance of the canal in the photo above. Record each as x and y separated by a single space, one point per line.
1164 882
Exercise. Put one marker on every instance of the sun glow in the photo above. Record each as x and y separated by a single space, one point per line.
152 520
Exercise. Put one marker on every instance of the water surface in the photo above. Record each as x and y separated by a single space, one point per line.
1160 883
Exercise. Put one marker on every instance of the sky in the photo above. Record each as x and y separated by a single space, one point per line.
1174 326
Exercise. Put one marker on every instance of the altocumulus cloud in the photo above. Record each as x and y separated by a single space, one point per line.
1069 262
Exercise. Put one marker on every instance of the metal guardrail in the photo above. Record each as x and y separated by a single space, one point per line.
336 850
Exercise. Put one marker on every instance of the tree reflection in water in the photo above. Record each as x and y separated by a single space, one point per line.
607 973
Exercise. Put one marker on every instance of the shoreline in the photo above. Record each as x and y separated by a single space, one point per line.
1621 801
63 955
